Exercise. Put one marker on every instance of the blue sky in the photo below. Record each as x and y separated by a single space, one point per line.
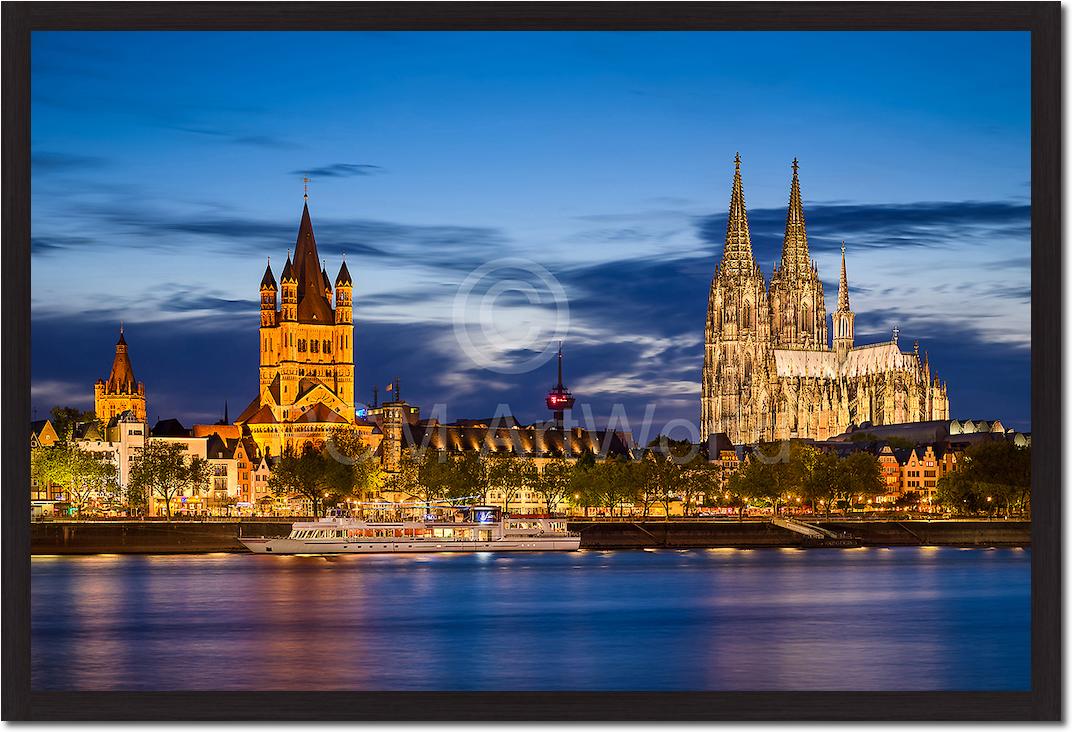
167 167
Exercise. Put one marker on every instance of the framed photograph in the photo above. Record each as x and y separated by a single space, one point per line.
531 361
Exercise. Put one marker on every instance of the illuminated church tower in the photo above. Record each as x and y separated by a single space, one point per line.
306 351
121 392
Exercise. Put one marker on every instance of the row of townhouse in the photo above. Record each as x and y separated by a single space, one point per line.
239 472
915 471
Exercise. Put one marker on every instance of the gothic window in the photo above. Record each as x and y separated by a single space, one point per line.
314 346
805 321
747 370
327 346
301 345
746 315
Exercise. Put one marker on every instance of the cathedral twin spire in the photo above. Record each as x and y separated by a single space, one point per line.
795 256
799 316
737 253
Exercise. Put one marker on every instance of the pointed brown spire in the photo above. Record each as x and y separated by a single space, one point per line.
795 256
843 285
737 251
306 259
313 306
268 281
288 271
344 279
324 276
121 378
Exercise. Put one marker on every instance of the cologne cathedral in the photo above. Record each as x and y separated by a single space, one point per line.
773 371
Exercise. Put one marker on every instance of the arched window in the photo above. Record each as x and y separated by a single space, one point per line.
746 315
747 370
805 321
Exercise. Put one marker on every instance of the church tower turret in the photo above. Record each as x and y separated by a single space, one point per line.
344 298
268 297
121 392
290 292
843 317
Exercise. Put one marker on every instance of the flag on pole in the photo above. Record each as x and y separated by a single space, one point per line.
390 387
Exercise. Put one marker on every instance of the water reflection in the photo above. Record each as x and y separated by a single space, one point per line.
895 619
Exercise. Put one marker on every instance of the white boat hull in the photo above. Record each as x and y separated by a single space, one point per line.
341 546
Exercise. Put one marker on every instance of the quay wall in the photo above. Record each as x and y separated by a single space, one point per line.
684 534
158 537
147 537
936 533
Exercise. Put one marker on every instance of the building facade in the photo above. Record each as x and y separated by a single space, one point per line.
772 368
916 472
121 392
306 383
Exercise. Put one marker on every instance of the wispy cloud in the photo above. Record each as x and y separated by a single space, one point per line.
341 170
223 135
882 225
45 162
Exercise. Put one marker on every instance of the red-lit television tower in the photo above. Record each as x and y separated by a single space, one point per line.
559 399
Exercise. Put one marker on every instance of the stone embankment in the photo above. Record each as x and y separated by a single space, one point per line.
158 537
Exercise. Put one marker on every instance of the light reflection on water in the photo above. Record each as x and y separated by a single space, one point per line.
894 619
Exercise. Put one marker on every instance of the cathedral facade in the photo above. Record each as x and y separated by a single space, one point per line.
772 368
306 351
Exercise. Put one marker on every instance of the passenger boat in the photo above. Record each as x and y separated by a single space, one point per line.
475 529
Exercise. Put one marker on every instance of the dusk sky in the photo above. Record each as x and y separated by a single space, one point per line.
167 167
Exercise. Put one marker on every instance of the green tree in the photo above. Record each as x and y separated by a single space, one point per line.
84 475
990 475
583 489
366 473
666 477
469 478
511 475
753 481
699 479
406 480
435 476
554 482
66 420
614 481
863 476
163 469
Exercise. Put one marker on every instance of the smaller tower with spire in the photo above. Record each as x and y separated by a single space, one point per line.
121 392
289 283
843 317
269 291
559 399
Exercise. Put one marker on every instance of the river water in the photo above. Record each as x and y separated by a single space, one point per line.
718 619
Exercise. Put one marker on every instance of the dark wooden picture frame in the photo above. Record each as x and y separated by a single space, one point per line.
1041 19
